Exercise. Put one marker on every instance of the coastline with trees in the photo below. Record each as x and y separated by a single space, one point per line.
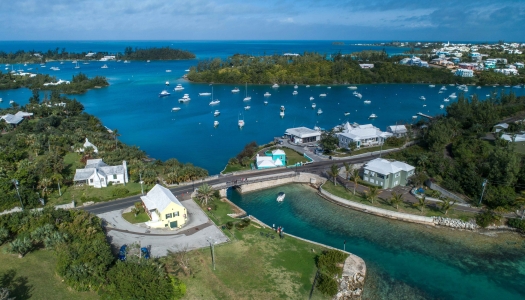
79 83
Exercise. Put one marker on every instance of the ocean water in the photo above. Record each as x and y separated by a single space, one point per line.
131 103
404 261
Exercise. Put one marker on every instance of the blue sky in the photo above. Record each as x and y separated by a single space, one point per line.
480 20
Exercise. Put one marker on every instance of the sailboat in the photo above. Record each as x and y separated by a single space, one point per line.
77 66
246 98
240 122
213 102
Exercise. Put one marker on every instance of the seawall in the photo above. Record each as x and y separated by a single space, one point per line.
298 178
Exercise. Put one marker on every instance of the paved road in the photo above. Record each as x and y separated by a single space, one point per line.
182 192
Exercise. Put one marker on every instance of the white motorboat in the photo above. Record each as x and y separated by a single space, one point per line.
372 116
185 98
267 94
148 61
307 85
507 86
517 86
236 90
453 96
175 109
353 87
179 87
216 113
329 87
74 62
280 197
322 95
295 93
187 70
358 95
440 92
168 71
204 94
247 107
214 102
126 61
347 113
215 123
319 111
265 102
422 98
451 84
104 66
1 100
240 123
432 85
414 117
367 101
54 68
478 87
11 101
246 97
296 86
318 84
424 105
275 86
443 88
441 106
282 108
312 98
446 100
167 83
313 105
281 114
164 93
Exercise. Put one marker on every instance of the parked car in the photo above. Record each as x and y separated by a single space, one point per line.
122 253
145 252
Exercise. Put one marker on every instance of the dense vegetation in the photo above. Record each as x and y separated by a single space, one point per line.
328 270
85 261
34 152
163 53
79 83
454 152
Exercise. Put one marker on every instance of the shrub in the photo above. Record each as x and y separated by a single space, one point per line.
120 192
246 221
240 225
229 224
485 218
20 246
4 235
327 261
517 223
326 284
110 183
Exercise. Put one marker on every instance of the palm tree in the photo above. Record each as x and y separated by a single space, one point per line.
204 193
372 193
396 199
21 246
446 205
333 172
422 202
43 184
355 178
348 169
116 134
57 177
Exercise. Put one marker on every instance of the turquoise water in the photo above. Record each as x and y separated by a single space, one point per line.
407 261
131 103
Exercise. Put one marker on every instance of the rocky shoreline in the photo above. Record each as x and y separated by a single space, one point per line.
455 223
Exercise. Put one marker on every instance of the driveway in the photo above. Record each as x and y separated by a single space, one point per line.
193 235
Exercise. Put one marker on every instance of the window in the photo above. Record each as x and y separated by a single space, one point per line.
114 176
397 175
366 178
166 225
381 176
176 214
91 180
366 171
168 216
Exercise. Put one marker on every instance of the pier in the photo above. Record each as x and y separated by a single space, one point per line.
423 115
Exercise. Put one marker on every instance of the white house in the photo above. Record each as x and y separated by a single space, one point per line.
397 130
88 144
514 138
98 174
501 126
464 73
507 71
301 135
277 158
361 135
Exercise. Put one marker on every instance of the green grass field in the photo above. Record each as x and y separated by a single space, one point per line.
234 168
293 157
362 150
251 266
140 218
33 277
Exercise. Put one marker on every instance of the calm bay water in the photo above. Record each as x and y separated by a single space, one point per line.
404 261
131 103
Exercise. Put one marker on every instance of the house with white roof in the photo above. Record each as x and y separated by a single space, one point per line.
501 126
397 130
164 209
387 173
301 135
88 144
514 137
16 118
274 159
98 174
362 135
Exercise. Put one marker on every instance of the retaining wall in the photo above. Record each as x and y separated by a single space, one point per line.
300 178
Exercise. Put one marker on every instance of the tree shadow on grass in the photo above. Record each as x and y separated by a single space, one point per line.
18 287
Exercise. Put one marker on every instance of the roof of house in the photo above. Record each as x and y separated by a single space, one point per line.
278 152
83 174
89 144
159 198
517 137
384 166
97 165
264 162
302 132
397 129
502 125
12 119
24 114
361 133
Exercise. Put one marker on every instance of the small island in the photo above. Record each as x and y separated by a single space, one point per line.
79 83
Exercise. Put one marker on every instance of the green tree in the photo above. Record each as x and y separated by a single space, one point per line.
333 172
348 169
421 203
20 246
355 178
446 205
329 141
372 193
396 199
4 235
58 178
204 194
116 134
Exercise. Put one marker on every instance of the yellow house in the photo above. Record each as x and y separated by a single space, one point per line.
164 209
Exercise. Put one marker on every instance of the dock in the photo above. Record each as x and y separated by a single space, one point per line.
423 115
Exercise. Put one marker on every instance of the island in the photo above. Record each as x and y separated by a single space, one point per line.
78 84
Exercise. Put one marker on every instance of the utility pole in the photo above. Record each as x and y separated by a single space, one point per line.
15 182
141 182
212 246
483 191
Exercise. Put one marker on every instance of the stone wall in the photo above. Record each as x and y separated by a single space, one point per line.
301 178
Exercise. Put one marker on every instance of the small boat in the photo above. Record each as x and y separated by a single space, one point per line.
246 97
322 95
104 66
422 98
281 114
275 86
367 101
167 83
179 87
204 94
295 93
432 85
414 117
54 68
443 88
318 84
358 95
451 84
175 109
372 116
148 61
77 66
164 93
265 102
507 86
1 100
185 98
216 113
236 90
296 86
168 71
424 105
353 87
267 94
282 108
441 106
440 92
307 85
453 96
319 111
240 123
247 107
214 102
11 102
280 197
311 98
187 70
517 86
126 61
313 105
346 113
329 87
74 62
488 95
215 123
478 87
446 100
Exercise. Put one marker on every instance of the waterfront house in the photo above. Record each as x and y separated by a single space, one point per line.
464 73
361 135
88 144
274 159
507 71
301 135
387 173
397 130
490 64
518 65
16 118
164 209
98 174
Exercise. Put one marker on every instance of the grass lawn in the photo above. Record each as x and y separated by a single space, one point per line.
234 168
362 150
140 218
293 157
93 194
33 276
519 147
252 266
405 207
